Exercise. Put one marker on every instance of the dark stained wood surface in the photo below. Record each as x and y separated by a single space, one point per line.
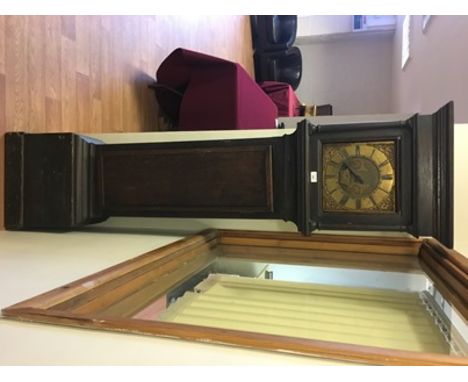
215 179
234 178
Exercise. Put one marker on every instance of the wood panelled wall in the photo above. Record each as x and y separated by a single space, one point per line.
90 73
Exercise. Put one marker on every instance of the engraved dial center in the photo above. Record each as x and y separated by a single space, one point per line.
358 176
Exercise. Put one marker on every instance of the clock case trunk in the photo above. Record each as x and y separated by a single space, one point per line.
61 181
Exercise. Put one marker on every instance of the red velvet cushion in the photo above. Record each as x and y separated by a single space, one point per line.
282 94
219 94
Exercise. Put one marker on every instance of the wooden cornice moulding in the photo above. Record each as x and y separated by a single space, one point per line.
397 254
448 270
346 243
120 273
108 299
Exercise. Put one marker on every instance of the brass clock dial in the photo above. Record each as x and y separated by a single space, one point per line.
359 177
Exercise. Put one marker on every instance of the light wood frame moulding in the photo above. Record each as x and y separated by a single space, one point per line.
108 299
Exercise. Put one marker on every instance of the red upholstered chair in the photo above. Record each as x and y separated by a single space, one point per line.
282 94
216 94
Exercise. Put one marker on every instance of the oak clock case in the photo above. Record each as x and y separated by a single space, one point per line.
395 175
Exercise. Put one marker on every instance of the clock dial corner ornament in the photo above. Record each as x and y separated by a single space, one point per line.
359 177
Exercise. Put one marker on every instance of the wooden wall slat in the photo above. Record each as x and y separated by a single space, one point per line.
2 101
17 96
35 73
53 61
53 114
84 108
83 44
95 57
68 26
326 245
2 44
324 258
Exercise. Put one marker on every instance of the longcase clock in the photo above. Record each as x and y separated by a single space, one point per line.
357 176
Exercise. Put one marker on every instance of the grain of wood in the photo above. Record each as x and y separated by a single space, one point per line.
35 61
363 246
53 60
447 269
324 257
2 44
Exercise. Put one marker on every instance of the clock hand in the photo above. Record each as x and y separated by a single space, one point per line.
355 174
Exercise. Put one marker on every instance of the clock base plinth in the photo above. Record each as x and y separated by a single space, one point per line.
48 181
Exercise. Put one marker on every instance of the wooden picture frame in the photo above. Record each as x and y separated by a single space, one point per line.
108 299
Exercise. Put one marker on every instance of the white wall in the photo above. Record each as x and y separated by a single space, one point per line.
461 188
435 74
362 74
353 74
437 69
321 25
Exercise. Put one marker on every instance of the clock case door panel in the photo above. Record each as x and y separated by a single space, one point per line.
231 178
228 178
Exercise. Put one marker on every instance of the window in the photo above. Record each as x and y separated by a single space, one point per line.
405 40
425 22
